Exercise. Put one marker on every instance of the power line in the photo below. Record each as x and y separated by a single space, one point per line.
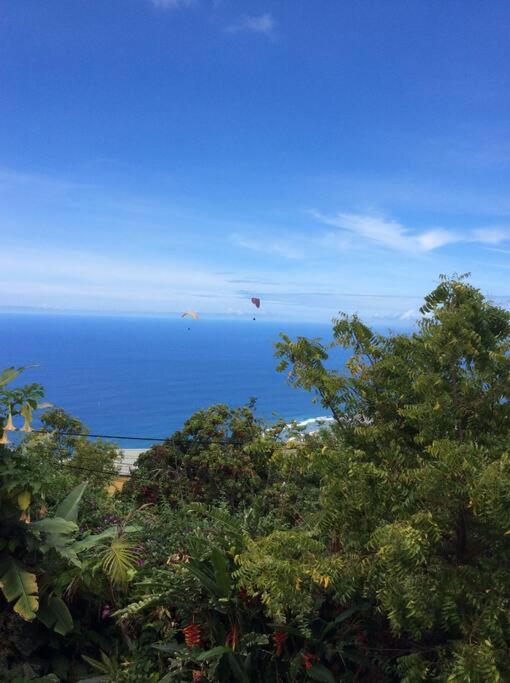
140 438
103 436
205 441
94 470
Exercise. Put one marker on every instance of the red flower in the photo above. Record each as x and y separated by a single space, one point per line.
279 639
309 659
192 635
197 675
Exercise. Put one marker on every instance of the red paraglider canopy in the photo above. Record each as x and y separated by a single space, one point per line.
256 301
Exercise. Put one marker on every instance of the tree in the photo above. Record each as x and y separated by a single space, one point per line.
63 440
221 453
416 486
65 429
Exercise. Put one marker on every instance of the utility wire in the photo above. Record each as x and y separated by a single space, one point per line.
208 442
177 442
104 436
94 470
141 438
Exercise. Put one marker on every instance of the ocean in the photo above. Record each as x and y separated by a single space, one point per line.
144 376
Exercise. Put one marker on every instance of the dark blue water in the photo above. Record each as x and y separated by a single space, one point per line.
143 376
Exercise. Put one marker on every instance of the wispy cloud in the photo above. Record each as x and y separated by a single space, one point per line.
490 235
499 251
393 235
410 314
251 281
279 247
173 4
11 179
263 24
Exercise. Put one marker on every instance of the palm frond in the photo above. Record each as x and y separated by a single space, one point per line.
118 559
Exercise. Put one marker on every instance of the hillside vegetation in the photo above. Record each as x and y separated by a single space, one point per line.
376 549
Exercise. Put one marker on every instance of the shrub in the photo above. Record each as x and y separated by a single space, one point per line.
221 454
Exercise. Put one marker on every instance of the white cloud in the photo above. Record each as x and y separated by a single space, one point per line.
173 4
497 250
490 235
388 233
393 235
411 314
282 247
129 277
433 239
263 24
338 240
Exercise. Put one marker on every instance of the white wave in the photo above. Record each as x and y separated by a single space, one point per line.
315 420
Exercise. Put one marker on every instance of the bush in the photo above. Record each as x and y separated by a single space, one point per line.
221 454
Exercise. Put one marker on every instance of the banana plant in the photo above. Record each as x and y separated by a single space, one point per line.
20 538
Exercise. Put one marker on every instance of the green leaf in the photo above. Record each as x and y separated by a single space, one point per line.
93 539
68 508
55 614
215 652
203 573
100 666
236 668
221 571
20 585
54 525
342 617
9 374
118 560
105 665
319 672
166 678
169 648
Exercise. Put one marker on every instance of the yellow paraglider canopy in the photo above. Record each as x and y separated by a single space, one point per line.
190 314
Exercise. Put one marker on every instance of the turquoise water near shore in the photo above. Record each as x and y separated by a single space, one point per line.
143 376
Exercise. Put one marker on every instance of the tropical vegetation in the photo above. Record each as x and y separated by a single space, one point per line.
375 549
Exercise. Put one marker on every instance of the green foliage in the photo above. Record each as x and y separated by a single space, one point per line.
67 452
221 454
119 560
415 489
68 508
55 614
20 401
65 430
21 540
9 375
107 666
20 585
376 549
283 569
41 553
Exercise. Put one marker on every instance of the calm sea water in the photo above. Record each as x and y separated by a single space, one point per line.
143 376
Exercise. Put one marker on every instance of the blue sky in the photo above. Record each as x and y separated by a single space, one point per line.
159 155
